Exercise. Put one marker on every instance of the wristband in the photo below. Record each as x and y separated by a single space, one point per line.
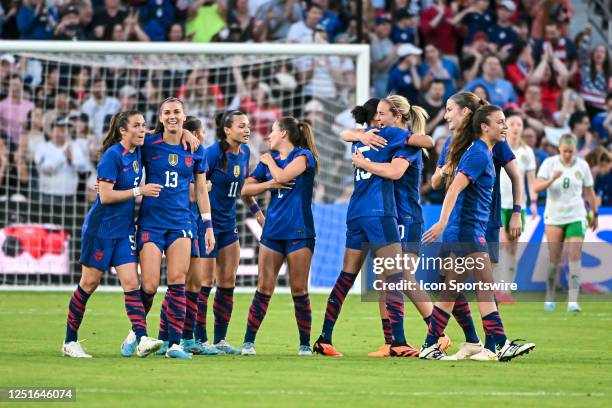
517 209
595 214
208 224
136 191
254 209
206 216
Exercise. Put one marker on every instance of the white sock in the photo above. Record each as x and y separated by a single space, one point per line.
551 282
573 281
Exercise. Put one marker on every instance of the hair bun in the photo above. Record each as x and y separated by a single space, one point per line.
481 102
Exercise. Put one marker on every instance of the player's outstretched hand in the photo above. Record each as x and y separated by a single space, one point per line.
189 141
209 240
371 139
151 190
431 235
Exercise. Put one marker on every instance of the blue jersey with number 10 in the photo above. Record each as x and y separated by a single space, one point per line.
289 214
373 196
111 221
173 167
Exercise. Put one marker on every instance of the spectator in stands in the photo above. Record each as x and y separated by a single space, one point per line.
69 27
205 18
79 88
129 30
580 124
433 101
240 21
536 116
61 107
519 70
404 28
86 14
274 18
9 28
440 68
570 102
602 122
481 92
500 90
328 19
105 20
383 55
36 20
561 47
156 16
404 77
58 162
596 70
502 33
530 137
552 76
99 105
543 12
303 31
29 141
84 137
7 68
473 55
476 18
176 33
437 27
14 111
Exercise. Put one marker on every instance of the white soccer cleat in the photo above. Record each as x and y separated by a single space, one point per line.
305 351
512 350
466 350
148 345
484 355
433 352
549 306
573 307
248 349
75 350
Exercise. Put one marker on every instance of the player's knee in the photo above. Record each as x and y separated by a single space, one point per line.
299 290
89 285
267 288
150 287
130 284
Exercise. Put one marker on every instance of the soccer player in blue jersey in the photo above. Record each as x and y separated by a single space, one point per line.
405 170
108 232
165 224
228 166
463 220
460 109
372 220
288 232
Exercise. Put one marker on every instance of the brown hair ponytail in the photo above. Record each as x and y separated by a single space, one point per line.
118 121
300 135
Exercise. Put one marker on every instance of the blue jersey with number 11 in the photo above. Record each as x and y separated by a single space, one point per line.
173 167
373 196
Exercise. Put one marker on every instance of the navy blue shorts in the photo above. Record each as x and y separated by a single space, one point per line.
410 236
462 244
222 239
162 238
103 253
287 246
377 231
492 237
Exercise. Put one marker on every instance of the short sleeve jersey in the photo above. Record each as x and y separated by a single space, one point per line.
123 169
564 203
374 196
173 168
289 214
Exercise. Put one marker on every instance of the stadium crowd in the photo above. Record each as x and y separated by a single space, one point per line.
515 53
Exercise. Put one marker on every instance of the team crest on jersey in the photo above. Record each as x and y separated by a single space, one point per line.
189 161
135 166
578 175
99 255
482 240
173 159
236 171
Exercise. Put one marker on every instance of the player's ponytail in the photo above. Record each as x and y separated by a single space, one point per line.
225 120
118 121
300 135
365 114
464 135
419 119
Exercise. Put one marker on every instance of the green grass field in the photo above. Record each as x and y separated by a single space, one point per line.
571 365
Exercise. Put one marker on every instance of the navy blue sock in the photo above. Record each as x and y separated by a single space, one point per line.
344 283
437 324
76 310
222 309
395 309
493 324
463 315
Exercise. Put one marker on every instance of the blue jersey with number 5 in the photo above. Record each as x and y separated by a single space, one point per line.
123 169
289 214
173 167
373 196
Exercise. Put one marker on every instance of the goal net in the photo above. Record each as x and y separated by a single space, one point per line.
56 100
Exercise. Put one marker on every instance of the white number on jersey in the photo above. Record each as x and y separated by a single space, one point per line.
137 181
279 193
132 242
359 173
171 179
233 190
402 230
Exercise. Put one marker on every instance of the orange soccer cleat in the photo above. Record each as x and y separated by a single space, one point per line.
383 351
404 350
325 349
